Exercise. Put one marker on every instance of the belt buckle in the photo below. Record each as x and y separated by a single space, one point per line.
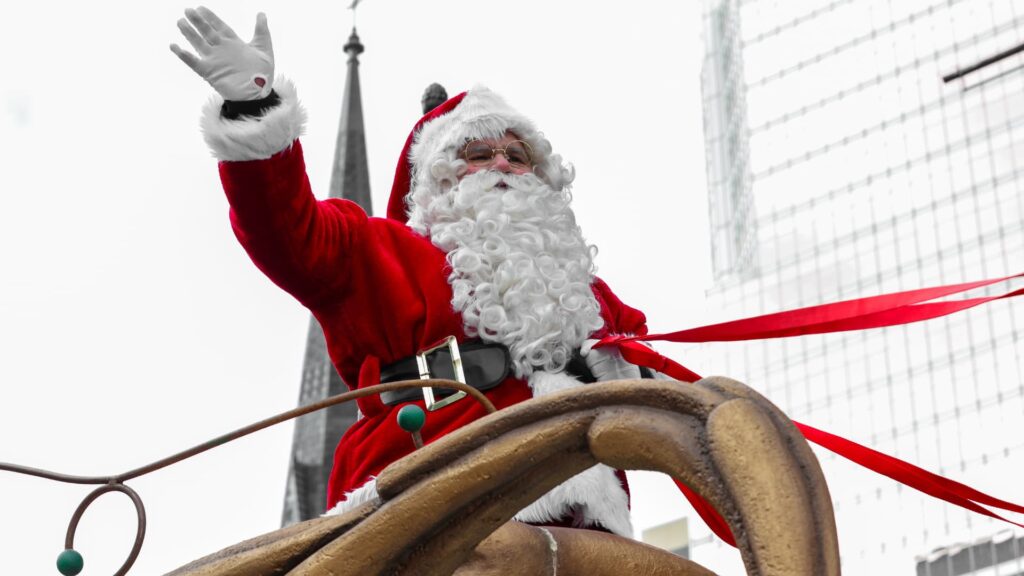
424 368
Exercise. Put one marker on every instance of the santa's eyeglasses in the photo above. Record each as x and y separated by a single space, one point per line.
479 153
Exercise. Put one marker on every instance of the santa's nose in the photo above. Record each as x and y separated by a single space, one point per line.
501 163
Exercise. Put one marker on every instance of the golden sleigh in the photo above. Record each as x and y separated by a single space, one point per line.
447 507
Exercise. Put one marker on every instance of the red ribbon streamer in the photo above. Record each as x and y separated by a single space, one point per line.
858 314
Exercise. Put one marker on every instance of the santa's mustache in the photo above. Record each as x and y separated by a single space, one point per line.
524 195
490 179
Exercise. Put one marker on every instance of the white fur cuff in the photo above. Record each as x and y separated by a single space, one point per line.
353 499
544 383
254 138
596 490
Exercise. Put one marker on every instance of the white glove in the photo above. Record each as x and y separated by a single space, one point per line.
236 70
607 363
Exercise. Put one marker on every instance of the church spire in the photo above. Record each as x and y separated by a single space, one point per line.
350 177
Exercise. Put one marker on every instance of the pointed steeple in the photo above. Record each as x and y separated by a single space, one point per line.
317 434
350 178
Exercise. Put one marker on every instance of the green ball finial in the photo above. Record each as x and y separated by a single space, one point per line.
411 418
70 562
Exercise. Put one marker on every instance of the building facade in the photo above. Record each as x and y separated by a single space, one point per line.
673 536
841 165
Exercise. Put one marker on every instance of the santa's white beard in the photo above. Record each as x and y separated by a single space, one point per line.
521 270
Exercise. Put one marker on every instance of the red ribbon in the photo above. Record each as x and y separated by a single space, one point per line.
858 314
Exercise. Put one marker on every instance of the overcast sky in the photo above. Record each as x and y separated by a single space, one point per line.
133 326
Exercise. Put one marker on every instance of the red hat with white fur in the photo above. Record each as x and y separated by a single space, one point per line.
441 133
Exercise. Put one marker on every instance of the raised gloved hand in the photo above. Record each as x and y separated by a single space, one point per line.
607 363
237 70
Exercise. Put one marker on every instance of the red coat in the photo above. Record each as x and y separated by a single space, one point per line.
378 289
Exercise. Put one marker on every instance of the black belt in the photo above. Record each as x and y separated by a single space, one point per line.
484 365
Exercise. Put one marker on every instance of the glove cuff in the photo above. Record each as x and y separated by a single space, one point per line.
256 129
233 109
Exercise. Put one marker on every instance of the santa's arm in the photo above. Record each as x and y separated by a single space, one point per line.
301 244
252 127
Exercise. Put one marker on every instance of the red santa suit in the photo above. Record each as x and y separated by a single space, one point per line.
379 288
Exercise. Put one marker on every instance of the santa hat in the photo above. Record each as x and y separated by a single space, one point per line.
441 133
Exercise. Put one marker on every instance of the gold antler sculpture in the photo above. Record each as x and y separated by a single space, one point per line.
446 508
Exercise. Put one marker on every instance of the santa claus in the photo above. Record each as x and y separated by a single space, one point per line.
480 249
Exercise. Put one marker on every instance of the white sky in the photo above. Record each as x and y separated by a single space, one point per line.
133 326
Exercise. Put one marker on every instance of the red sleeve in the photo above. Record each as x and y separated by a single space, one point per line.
300 243
618 317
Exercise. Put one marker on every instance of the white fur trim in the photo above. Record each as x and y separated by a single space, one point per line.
360 495
544 383
481 114
596 490
254 138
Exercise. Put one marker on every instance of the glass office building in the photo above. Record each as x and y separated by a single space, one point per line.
841 165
